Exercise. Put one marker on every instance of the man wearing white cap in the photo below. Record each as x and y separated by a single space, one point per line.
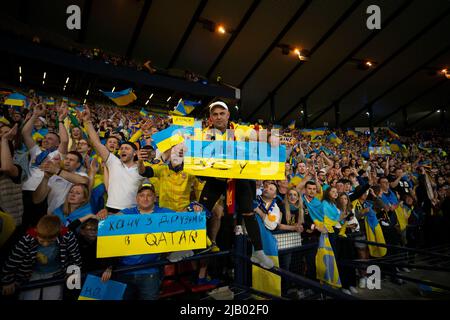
245 190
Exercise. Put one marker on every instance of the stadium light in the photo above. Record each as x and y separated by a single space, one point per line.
67 80
20 78
87 91
146 103
20 69
168 99
114 88
45 73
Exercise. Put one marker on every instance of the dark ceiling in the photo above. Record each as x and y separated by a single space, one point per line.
413 43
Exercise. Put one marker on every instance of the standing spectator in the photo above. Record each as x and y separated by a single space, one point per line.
57 181
142 284
124 178
54 148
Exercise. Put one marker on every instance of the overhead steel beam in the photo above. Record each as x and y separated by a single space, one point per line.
138 27
412 40
187 32
372 35
234 35
280 36
424 117
319 43
399 83
417 97
85 16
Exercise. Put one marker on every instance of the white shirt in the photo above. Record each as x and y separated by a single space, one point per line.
124 183
36 174
59 189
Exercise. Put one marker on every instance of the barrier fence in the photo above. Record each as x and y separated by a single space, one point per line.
288 243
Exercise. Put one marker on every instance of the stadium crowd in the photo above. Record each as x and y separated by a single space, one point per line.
65 168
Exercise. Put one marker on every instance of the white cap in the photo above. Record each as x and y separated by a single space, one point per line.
218 104
43 120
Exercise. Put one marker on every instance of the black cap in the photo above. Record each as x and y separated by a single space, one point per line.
146 186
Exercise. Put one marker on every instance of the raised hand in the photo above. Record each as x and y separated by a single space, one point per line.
102 214
63 111
39 110
11 134
143 154
50 167
86 115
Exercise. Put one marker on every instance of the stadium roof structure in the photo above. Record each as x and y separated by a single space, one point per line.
343 73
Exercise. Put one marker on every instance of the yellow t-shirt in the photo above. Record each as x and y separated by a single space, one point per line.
175 187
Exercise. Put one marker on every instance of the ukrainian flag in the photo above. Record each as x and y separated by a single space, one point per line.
167 138
50 101
143 112
16 99
185 107
352 133
98 192
73 103
38 135
326 267
334 138
393 133
403 213
313 132
428 150
374 234
291 125
396 145
262 279
327 151
121 98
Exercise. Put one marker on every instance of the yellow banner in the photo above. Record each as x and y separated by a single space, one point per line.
127 245
183 121
125 235
233 159
237 169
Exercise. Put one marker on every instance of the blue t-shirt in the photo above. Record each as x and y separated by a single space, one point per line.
47 259
142 258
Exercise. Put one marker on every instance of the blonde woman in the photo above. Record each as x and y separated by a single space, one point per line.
76 205
293 211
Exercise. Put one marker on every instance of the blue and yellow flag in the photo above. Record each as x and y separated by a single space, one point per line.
143 112
313 132
235 159
185 107
121 98
396 145
38 135
264 280
352 133
132 234
49 101
95 289
374 233
326 267
334 138
98 191
169 137
73 103
291 125
16 99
